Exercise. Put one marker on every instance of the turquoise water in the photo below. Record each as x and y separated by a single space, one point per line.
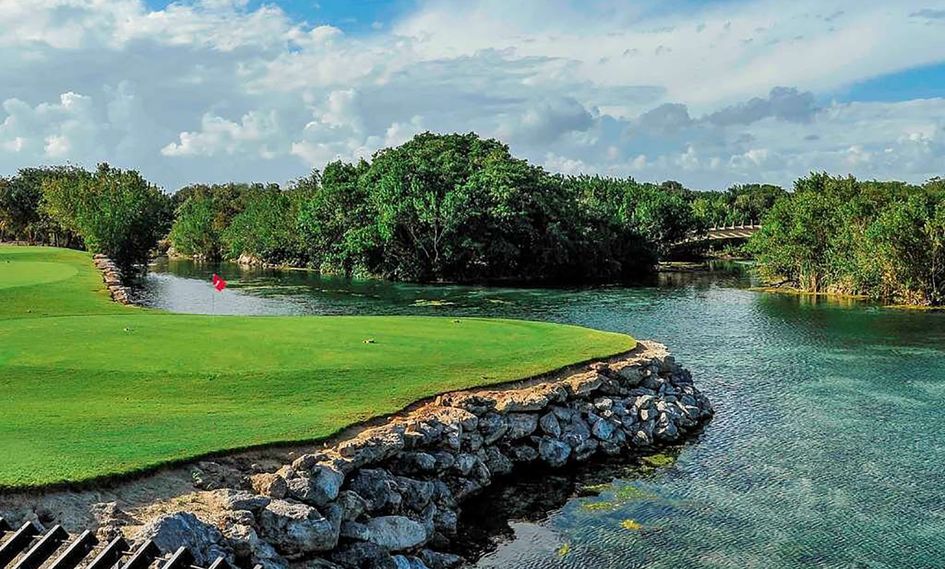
827 449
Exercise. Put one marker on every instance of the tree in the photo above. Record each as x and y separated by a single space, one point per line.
117 212
203 214
335 221
266 229
21 216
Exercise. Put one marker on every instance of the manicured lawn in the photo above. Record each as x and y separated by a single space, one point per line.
90 388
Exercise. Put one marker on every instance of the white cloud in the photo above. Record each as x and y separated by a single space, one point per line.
253 134
215 90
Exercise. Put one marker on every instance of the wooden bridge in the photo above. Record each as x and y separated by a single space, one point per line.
722 233
28 547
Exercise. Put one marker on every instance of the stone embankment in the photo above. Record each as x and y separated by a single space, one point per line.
389 495
112 276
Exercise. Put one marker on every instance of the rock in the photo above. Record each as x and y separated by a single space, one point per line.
272 485
444 460
414 462
604 403
498 463
652 381
249 549
327 481
584 384
641 438
603 429
553 452
667 432
521 425
437 560
550 425
296 529
630 375
478 404
465 463
563 414
373 446
305 462
317 563
518 401
376 486
402 562
473 442
522 453
576 432
393 533
493 427
585 450
171 531
239 500
416 494
362 555
445 522
352 505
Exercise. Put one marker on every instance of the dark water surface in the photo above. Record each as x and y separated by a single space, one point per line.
827 450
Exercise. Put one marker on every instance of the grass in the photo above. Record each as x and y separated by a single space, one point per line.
93 389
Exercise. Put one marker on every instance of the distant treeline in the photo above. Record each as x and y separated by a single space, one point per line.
462 208
438 208
838 235
455 208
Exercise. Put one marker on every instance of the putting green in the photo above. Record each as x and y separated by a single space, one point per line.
91 388
33 273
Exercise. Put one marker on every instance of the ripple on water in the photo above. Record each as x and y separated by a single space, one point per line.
826 450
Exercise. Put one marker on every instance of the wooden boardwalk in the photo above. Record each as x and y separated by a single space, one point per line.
29 547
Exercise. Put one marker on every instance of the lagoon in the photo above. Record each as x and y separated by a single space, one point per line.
826 450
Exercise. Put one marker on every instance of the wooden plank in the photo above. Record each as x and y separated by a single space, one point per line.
143 557
181 559
17 542
76 552
110 555
220 563
44 548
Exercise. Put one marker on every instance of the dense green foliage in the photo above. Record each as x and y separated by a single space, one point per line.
92 388
116 212
108 211
739 205
442 207
885 240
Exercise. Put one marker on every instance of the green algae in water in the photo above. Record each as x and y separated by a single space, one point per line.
600 506
631 525
659 460
426 302
622 494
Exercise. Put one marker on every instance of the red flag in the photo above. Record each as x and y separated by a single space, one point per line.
218 282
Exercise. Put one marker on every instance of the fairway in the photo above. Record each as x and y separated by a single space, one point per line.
91 388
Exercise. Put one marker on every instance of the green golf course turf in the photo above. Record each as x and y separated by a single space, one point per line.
90 388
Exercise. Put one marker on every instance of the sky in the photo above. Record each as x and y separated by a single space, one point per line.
710 93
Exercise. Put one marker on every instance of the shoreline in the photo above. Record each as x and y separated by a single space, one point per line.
445 450
792 291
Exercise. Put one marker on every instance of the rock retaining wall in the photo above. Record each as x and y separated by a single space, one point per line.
112 276
389 496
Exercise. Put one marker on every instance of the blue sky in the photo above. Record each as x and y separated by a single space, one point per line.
353 16
707 93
